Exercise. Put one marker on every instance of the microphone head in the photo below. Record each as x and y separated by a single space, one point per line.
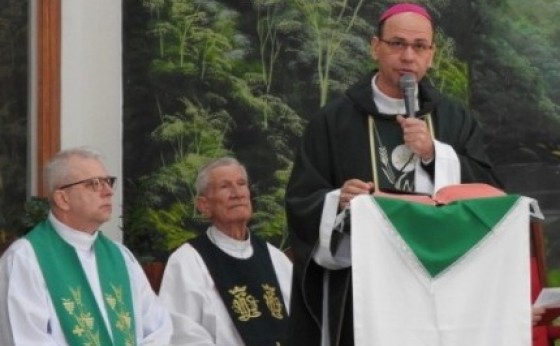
407 81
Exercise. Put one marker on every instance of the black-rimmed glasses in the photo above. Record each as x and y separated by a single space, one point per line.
400 46
95 184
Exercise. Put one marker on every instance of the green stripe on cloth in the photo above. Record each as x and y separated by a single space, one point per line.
115 284
440 235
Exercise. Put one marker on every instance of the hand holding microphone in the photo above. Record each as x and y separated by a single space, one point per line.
415 131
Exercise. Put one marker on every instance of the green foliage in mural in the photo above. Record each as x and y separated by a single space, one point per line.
13 117
241 78
450 74
222 77
212 98
333 32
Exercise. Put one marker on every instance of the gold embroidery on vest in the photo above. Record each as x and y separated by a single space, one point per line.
273 302
244 304
85 323
124 321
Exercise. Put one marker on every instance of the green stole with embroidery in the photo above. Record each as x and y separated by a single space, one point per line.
79 315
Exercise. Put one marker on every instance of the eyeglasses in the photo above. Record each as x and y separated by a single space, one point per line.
401 46
94 184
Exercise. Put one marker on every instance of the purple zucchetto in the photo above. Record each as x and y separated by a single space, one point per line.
404 7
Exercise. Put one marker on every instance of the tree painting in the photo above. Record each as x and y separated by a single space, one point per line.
13 118
216 77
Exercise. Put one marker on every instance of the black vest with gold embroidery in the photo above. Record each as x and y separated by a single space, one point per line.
250 291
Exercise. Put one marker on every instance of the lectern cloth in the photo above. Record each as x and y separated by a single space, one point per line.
454 275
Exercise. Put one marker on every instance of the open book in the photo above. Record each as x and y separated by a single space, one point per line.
549 298
447 194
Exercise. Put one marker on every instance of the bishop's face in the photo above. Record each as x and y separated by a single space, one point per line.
411 30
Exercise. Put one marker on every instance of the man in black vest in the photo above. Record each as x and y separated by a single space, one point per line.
228 280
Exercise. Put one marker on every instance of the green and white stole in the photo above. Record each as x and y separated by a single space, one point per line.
79 315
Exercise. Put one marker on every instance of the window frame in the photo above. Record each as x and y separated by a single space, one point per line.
48 86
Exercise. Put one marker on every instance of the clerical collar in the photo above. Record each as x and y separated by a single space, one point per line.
386 104
233 247
79 240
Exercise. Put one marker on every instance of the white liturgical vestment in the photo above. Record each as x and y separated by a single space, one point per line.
452 275
188 289
27 315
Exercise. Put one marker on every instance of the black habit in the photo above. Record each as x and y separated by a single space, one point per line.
335 148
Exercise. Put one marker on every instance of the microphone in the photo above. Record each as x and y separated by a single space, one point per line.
408 88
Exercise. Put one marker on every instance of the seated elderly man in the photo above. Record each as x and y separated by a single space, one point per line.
65 283
228 280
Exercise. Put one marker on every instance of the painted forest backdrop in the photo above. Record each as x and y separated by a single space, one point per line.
208 78
205 78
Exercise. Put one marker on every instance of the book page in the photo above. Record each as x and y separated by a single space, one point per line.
446 195
451 193
406 197
548 298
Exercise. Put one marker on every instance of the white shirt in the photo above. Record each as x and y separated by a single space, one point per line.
27 315
187 287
